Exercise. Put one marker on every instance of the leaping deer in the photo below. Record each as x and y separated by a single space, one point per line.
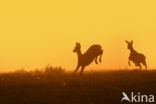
135 57
85 59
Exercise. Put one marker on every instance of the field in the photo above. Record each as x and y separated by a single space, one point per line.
56 86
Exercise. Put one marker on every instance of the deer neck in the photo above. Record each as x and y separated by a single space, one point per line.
79 54
132 50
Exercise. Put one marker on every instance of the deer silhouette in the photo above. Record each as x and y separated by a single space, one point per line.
85 59
135 57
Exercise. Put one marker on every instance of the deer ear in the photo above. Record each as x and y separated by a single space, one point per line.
77 43
131 41
126 41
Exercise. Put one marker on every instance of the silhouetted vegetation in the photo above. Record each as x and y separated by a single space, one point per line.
53 85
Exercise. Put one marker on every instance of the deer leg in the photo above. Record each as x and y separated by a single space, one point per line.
100 59
129 63
144 63
96 60
146 66
82 69
140 66
76 68
101 56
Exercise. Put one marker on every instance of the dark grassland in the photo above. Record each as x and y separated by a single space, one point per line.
55 86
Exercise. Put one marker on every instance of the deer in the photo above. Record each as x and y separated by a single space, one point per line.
90 55
135 57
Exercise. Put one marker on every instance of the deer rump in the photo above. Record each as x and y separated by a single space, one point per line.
91 54
137 58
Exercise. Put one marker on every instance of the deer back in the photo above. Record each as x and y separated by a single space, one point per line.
136 57
93 51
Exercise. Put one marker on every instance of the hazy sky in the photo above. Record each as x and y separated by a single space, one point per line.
34 33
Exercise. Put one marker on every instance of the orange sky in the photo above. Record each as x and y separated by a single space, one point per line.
34 33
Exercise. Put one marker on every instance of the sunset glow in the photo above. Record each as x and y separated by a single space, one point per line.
34 33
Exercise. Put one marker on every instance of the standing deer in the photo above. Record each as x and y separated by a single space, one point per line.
135 57
85 59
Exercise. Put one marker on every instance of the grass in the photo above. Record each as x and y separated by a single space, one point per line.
53 85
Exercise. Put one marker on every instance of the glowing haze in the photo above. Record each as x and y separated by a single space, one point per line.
34 33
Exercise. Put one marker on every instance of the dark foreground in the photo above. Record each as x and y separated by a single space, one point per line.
62 88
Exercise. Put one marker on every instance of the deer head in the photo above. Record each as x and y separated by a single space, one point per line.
77 47
130 44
